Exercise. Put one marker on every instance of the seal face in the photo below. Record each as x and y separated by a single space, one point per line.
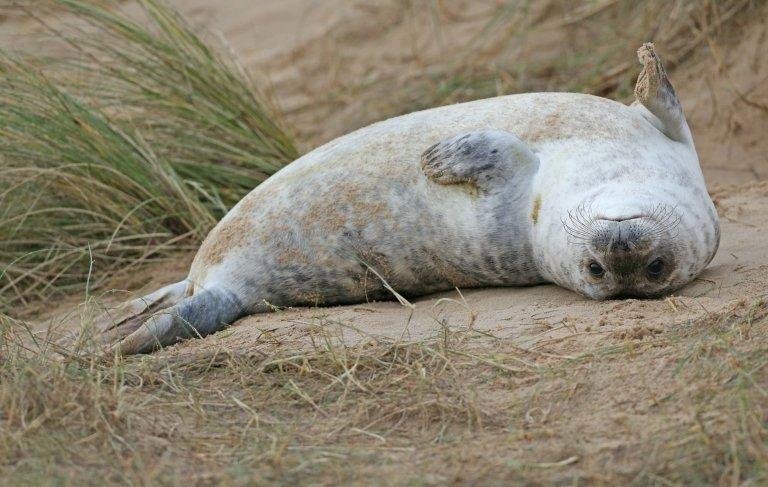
605 199
640 255
637 217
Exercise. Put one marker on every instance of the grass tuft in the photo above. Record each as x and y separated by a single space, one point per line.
135 142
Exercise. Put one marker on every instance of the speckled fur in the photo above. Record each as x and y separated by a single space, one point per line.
475 194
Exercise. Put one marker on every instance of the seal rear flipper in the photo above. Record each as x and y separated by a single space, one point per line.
140 308
207 311
654 91
483 158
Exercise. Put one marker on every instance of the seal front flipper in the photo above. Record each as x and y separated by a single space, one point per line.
486 159
654 91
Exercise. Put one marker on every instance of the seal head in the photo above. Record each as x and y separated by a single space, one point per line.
647 226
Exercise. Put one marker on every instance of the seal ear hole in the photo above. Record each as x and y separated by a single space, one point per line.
595 269
655 268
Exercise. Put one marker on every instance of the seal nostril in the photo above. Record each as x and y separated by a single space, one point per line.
623 238
620 246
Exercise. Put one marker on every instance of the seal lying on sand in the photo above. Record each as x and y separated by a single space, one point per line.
602 198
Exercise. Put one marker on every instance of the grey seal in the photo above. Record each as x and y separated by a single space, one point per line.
602 198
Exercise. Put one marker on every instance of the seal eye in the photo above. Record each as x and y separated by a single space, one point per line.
655 268
596 269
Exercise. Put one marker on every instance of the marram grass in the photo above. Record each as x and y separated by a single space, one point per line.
133 144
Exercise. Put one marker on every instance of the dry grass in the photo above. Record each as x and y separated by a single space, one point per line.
686 405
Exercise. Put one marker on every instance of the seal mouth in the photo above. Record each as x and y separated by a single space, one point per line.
634 216
635 294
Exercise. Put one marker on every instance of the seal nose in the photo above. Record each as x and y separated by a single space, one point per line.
618 241
623 238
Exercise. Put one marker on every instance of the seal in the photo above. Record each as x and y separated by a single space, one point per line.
602 198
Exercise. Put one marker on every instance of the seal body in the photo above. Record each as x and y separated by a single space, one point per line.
597 196
316 230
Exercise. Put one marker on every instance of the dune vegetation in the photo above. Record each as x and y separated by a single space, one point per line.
132 143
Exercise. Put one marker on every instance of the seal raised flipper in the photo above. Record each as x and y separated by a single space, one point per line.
655 92
482 158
